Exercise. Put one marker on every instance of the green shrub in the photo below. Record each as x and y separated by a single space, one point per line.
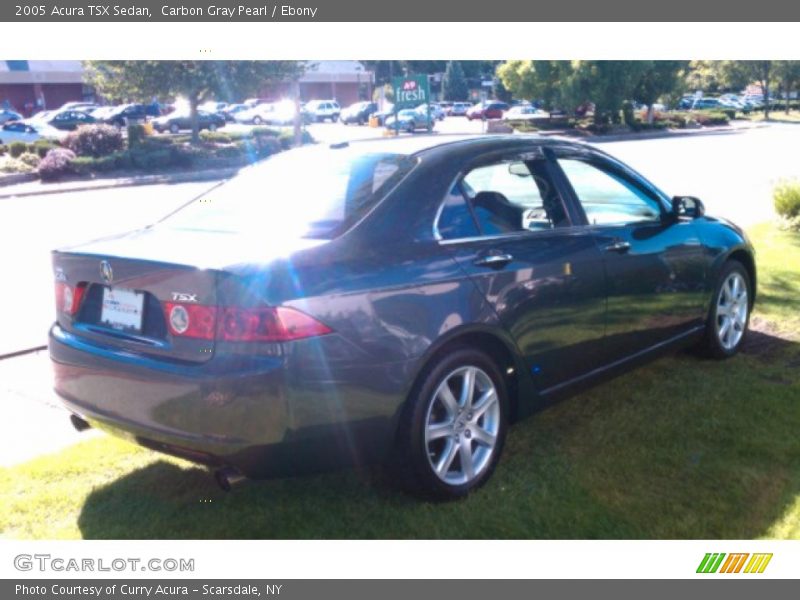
136 135
42 147
286 138
89 165
17 149
786 197
95 140
30 159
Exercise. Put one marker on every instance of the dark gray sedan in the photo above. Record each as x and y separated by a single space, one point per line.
394 301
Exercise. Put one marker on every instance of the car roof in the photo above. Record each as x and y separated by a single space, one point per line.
419 145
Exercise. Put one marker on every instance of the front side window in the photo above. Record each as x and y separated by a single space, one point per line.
608 198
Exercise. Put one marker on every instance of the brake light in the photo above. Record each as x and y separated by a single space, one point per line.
235 324
68 299
191 320
267 324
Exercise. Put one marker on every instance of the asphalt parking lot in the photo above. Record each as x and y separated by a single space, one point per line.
732 172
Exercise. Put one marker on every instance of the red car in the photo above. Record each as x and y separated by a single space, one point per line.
487 110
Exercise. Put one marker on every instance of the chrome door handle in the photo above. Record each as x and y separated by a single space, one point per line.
619 246
494 261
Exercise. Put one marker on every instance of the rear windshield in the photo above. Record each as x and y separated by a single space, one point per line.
312 192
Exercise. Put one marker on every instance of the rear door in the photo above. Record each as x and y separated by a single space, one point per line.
655 265
507 226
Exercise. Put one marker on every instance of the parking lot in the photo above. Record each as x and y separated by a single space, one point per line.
732 172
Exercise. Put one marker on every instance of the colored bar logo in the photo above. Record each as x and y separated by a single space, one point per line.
736 562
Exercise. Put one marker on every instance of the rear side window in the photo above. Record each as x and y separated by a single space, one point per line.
455 219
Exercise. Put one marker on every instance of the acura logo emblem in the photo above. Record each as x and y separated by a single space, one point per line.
105 271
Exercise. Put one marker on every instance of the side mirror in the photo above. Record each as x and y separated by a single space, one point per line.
688 206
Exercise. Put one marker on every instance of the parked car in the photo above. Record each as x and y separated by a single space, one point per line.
487 110
86 107
181 120
66 120
28 132
230 111
258 337
459 109
411 119
437 111
319 110
359 113
707 104
122 115
9 115
523 112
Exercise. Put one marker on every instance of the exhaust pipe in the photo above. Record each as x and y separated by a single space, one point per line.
228 477
78 423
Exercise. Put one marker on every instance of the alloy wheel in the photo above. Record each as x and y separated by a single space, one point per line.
462 425
732 308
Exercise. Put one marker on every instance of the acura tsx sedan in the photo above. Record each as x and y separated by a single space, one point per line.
388 301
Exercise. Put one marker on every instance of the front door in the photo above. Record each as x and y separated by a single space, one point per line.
654 264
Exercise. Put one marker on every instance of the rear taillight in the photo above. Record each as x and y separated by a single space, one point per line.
191 320
68 298
235 324
267 325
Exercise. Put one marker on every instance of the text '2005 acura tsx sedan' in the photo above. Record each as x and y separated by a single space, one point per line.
397 301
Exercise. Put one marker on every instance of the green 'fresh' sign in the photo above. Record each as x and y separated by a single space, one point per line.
411 91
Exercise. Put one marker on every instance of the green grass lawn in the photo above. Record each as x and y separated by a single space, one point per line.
682 448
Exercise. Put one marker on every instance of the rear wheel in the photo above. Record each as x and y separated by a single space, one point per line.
212 127
174 128
454 426
729 314
257 120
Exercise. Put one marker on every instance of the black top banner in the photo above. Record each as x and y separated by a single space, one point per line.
400 11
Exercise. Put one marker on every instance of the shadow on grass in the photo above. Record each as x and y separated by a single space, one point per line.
682 448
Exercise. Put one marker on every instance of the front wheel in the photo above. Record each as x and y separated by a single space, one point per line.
729 314
454 426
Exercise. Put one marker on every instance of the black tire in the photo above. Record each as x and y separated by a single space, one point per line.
257 120
712 344
413 457
173 128
212 127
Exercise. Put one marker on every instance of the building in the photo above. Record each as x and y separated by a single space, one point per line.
31 85
345 81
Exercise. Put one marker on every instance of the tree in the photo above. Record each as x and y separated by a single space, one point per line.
197 80
660 78
454 83
606 83
544 80
787 73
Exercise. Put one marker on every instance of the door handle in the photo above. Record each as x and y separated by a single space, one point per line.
619 246
495 261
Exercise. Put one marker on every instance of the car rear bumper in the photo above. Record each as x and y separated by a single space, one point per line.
263 415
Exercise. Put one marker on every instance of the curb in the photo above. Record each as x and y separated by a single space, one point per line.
647 135
15 178
101 184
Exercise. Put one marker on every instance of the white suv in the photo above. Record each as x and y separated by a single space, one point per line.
319 110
